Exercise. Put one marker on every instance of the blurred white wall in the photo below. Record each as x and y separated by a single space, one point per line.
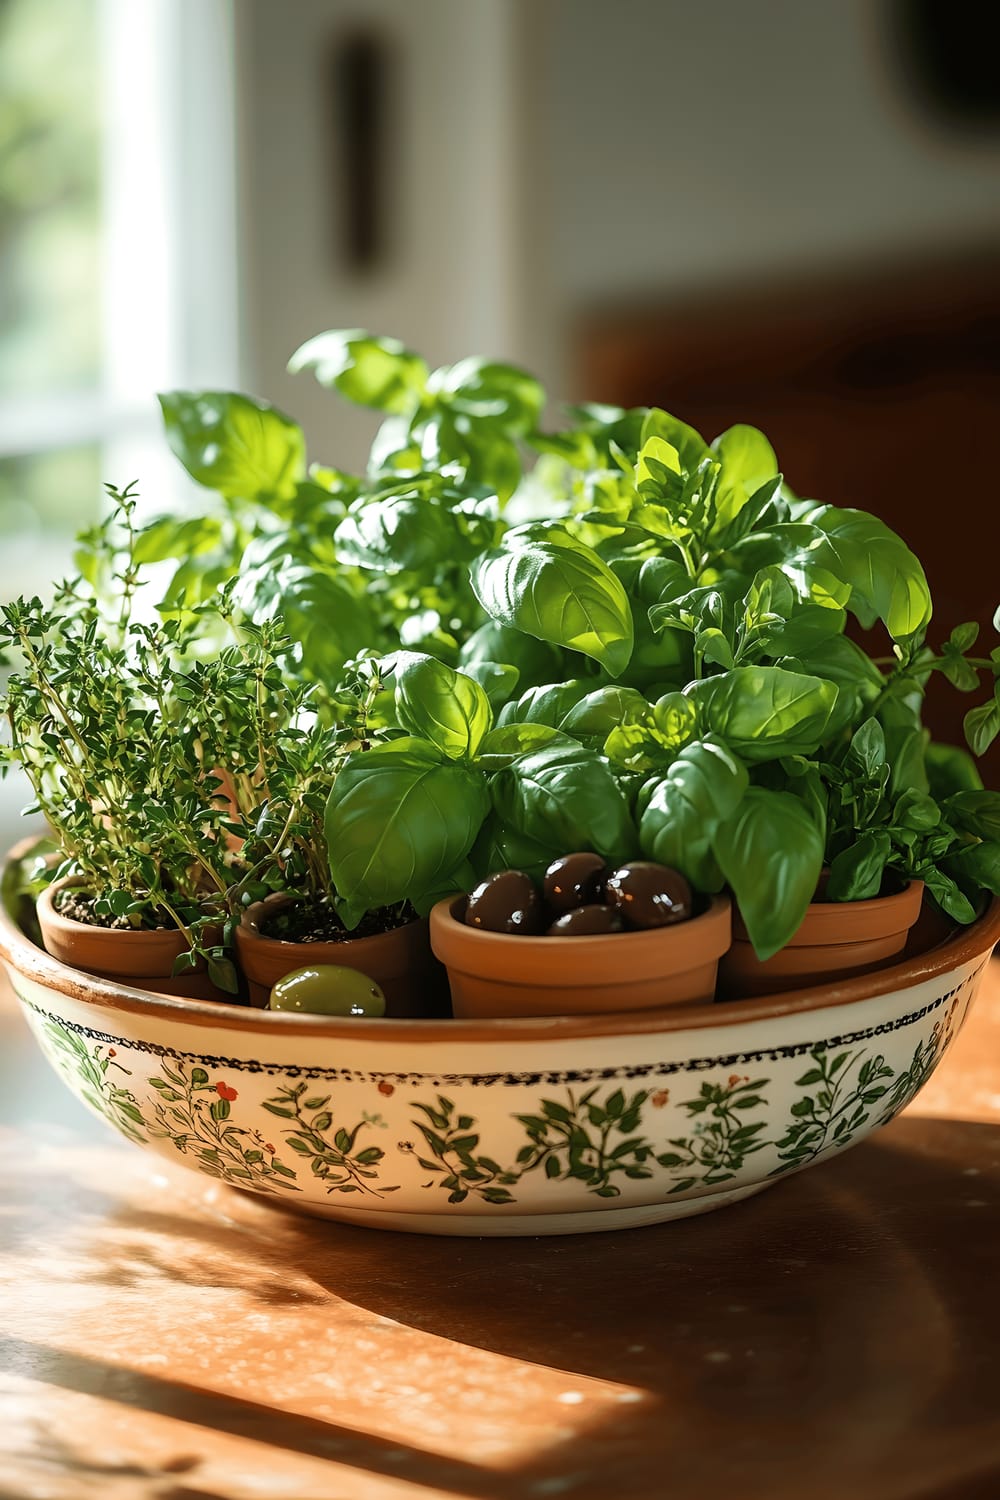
551 155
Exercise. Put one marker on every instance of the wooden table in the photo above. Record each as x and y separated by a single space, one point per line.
839 1336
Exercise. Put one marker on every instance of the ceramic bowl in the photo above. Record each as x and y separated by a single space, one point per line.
503 1127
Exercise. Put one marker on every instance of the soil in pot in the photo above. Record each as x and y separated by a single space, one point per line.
836 938
499 974
279 935
140 957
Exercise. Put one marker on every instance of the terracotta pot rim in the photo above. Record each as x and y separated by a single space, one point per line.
858 921
249 931
134 938
965 945
565 963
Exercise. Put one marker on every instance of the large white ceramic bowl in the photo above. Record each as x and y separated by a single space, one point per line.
548 1126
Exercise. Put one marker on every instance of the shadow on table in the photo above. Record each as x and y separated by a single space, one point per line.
846 1320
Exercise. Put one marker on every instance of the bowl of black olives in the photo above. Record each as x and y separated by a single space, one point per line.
588 938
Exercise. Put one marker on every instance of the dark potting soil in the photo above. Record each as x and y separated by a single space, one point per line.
320 923
79 907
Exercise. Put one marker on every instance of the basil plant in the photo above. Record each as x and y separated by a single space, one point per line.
615 636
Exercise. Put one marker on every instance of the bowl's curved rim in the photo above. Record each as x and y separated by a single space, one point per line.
964 946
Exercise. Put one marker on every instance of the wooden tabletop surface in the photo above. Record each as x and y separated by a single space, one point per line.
837 1338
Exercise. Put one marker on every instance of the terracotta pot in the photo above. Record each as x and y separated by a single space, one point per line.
144 959
400 961
493 974
835 938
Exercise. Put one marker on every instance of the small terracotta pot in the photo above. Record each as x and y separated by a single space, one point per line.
835 938
493 974
400 961
143 959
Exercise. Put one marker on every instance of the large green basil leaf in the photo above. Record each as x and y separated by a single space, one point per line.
975 812
245 449
682 810
771 853
500 847
370 371
748 460
764 712
857 677
508 742
565 797
482 390
329 619
563 594
688 444
498 679
400 819
950 769
439 704
398 532
856 873
606 708
536 661
886 581
977 867
549 703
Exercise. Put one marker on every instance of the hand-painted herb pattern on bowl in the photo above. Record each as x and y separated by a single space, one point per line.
603 1137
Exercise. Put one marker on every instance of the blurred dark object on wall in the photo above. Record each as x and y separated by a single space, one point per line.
880 391
947 50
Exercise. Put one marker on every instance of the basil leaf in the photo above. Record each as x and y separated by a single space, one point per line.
950 769
565 797
866 752
915 810
245 449
483 390
498 680
688 444
982 725
536 661
370 371
500 847
975 812
887 582
328 619
604 709
682 810
856 873
507 742
398 532
549 703
748 460
977 867
401 817
952 901
764 712
170 537
563 594
441 705
771 853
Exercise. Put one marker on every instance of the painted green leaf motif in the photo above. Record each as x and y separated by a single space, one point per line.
764 712
560 593
401 818
771 853
371 371
441 705
565 797
704 785
245 449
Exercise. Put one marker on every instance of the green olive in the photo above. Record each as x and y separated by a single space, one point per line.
328 990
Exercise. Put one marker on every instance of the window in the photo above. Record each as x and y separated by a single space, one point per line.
118 272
